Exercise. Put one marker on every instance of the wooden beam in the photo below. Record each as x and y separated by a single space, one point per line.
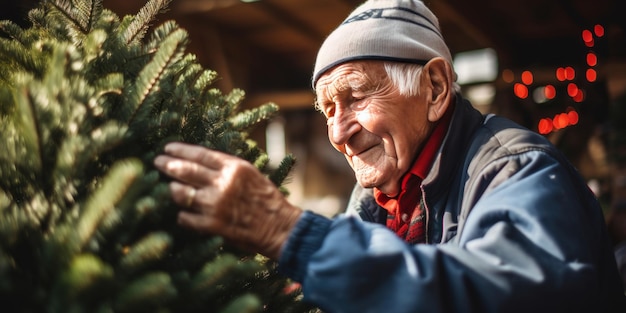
285 17
286 100
199 6
444 10
455 15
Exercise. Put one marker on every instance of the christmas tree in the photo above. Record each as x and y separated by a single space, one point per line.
88 99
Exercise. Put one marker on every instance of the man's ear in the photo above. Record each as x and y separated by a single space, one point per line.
438 78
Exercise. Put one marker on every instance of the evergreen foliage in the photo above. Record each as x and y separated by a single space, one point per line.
88 99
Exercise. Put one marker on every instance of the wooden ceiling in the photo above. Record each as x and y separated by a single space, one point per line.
267 47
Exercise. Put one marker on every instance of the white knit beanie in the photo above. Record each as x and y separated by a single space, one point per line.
392 30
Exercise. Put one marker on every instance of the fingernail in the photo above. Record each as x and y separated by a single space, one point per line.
159 161
173 165
168 147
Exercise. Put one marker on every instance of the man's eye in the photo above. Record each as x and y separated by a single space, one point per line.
329 112
359 103
359 95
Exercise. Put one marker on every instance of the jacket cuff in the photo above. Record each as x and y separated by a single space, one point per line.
305 239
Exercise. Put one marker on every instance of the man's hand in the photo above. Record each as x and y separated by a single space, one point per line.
227 196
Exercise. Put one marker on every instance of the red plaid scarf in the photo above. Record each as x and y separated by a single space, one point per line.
405 215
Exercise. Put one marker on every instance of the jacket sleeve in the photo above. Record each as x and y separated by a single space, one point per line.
532 243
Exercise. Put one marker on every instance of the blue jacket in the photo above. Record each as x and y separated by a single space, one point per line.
511 227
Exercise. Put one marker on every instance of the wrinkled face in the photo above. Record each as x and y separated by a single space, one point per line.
378 130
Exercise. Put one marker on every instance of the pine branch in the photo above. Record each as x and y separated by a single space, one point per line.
14 176
146 293
22 59
67 9
14 31
85 273
151 248
29 125
194 255
171 50
89 12
197 113
244 120
139 204
78 156
103 200
137 29
245 304
253 154
233 100
261 161
37 17
110 84
212 273
13 221
283 170
205 80
86 106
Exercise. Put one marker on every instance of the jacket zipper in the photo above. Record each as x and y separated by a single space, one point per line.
426 213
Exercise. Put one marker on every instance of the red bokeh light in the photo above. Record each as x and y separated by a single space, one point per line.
570 73
572 89
587 36
598 30
591 75
549 92
560 121
508 76
572 117
545 126
579 96
520 90
560 74
592 59
527 77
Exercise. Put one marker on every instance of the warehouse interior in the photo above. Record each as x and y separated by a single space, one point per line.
534 51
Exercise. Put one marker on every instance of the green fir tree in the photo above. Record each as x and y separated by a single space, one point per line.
88 99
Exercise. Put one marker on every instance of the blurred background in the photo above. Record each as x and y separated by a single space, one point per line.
557 67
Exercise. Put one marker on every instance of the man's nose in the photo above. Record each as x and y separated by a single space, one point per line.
344 124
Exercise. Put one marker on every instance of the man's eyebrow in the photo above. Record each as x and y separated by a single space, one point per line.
364 84
319 104
316 104
357 83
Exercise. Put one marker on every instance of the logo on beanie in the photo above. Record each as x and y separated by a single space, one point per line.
366 15
399 14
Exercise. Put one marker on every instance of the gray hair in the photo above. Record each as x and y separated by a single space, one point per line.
405 77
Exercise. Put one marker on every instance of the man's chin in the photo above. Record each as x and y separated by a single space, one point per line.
369 176
389 190
366 183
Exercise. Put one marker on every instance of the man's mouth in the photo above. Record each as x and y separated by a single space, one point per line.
350 153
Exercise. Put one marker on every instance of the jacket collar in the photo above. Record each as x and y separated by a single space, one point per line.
465 121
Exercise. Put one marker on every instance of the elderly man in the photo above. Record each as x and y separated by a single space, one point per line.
453 211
